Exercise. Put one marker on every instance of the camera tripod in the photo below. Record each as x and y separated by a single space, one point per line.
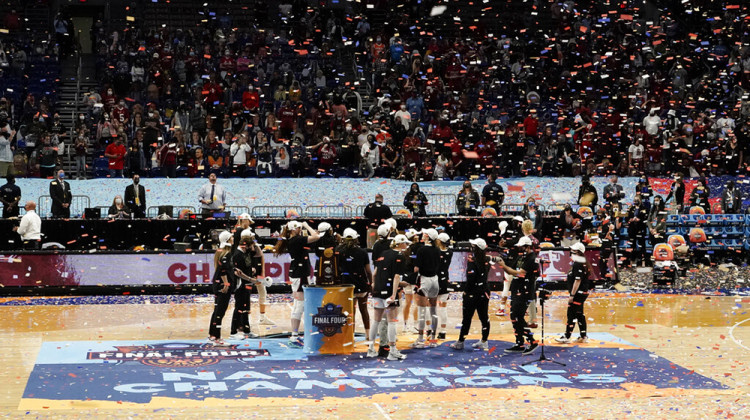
542 358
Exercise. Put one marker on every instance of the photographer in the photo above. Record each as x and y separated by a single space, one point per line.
578 288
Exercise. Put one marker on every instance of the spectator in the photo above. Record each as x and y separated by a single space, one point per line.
59 190
167 158
531 212
30 228
376 213
116 153
118 209
731 199
416 201
10 195
467 201
637 220
570 227
240 151
677 191
613 191
699 196
212 197
135 198
370 154
493 194
6 153
80 147
587 195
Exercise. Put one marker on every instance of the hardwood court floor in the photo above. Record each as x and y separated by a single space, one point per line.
705 334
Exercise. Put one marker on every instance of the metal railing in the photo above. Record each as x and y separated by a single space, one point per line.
276 211
153 211
360 210
78 204
328 211
237 210
441 204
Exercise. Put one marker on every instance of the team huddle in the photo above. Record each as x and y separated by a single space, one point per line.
408 274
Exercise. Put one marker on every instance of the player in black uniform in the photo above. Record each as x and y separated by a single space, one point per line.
578 288
297 245
446 255
476 296
243 270
522 287
223 284
387 281
355 270
327 272
427 265
510 233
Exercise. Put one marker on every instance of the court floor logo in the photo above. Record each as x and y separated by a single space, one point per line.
176 354
329 320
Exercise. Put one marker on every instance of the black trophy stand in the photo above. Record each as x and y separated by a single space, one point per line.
542 357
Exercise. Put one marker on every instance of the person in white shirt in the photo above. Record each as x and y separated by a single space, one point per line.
635 154
651 123
30 228
370 153
239 151
212 197
404 115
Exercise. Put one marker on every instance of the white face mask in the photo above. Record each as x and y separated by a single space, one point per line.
118 201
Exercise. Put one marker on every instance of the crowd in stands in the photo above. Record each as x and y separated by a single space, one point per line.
551 89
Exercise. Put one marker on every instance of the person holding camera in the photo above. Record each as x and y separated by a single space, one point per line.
578 288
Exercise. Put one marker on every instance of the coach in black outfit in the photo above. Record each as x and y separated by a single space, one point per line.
135 198
376 213
59 190
493 194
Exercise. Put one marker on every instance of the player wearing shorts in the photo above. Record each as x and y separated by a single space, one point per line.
410 277
510 233
294 242
256 260
446 255
387 281
426 266
355 270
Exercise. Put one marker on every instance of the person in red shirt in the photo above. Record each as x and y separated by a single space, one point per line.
485 151
227 63
287 117
116 152
121 113
531 125
212 92
109 99
377 50
326 156
251 99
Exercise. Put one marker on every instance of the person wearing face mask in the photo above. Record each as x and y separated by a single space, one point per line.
109 99
416 201
105 130
59 190
699 196
404 115
731 199
637 219
467 201
531 212
677 191
587 195
579 285
135 198
118 209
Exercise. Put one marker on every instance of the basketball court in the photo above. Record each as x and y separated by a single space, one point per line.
681 356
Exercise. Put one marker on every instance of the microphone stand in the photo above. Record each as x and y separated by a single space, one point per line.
542 357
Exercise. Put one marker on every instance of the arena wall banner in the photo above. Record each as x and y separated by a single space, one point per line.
140 269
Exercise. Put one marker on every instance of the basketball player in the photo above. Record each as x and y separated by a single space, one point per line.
294 242
223 285
578 289
446 255
426 266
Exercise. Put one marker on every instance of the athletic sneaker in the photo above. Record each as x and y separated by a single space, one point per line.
530 349
582 340
217 341
563 339
394 354
419 344
432 343
296 341
264 320
251 335
481 345
371 352
237 336
441 336
518 348
458 345
500 312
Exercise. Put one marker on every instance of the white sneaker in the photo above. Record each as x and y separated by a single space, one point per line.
264 320
395 354
432 344
237 336
371 352
581 340
217 341
419 344
481 345
563 339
